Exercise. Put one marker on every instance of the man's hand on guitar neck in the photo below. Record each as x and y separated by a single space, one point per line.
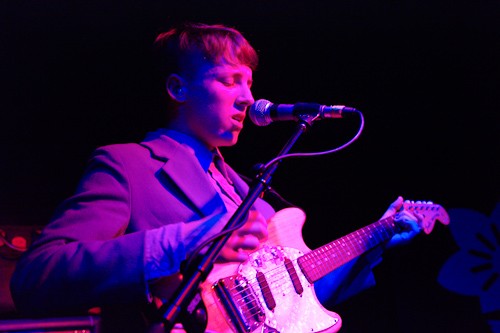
408 221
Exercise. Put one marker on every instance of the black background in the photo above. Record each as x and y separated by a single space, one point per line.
76 75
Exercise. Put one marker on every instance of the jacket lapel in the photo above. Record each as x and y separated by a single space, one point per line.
239 185
184 170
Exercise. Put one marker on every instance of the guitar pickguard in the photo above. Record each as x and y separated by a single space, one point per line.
276 295
303 307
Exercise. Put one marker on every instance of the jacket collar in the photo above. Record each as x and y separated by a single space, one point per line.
183 168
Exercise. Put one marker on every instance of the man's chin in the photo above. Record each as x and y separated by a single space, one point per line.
228 142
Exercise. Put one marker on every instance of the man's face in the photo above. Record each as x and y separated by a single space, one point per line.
216 102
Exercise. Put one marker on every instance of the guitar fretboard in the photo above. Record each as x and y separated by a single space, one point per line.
318 263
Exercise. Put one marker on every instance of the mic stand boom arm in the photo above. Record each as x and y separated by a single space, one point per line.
196 275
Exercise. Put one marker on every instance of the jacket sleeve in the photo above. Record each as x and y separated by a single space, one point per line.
87 256
83 254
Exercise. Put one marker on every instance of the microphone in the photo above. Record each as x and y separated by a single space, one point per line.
263 112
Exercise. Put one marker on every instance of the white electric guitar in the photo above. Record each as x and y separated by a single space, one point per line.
273 290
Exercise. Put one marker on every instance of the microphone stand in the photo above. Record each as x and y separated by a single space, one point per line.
185 293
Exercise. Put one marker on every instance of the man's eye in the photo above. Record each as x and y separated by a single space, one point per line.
228 83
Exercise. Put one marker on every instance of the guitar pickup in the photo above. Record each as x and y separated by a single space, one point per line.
293 276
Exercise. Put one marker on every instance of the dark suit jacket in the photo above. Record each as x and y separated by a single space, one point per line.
92 252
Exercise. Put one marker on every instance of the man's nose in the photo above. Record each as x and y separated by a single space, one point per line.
246 97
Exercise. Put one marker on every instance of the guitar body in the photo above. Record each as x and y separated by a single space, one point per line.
268 292
273 292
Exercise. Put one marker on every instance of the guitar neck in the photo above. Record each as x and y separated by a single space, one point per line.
325 259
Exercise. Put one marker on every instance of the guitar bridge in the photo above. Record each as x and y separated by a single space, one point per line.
239 301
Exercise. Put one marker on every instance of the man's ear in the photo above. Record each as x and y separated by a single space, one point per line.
176 88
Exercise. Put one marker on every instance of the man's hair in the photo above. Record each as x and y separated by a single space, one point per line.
215 43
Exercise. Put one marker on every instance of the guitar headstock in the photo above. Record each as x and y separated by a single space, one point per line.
429 211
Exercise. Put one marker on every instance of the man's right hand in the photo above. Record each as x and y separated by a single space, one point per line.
246 239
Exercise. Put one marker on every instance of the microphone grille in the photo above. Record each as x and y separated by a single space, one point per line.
259 112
